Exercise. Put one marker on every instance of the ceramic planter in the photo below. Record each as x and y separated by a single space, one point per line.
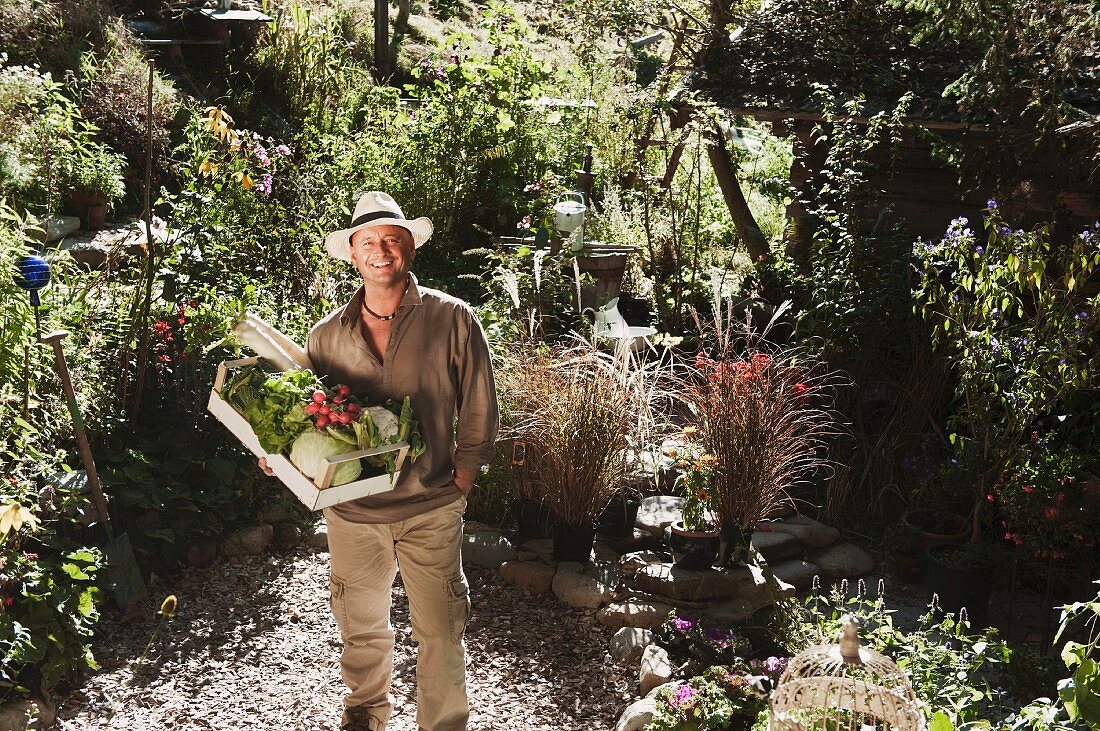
91 208
617 519
960 583
936 527
695 550
572 543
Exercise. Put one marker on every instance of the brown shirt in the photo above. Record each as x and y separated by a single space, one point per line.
438 356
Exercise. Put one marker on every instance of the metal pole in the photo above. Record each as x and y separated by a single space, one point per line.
382 38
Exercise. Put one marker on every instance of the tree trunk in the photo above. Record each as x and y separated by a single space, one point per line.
382 38
400 25
743 220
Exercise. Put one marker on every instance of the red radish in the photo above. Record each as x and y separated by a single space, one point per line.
344 389
325 409
319 397
312 408
339 400
322 421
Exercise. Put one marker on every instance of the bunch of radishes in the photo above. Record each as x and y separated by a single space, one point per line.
333 408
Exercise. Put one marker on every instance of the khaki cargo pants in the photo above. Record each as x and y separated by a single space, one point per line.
365 558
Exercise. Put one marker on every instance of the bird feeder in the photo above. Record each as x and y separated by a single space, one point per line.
844 687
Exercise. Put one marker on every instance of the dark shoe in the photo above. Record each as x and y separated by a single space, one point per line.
356 719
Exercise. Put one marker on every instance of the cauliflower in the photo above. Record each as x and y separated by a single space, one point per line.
386 422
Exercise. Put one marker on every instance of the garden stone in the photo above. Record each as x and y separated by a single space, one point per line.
487 549
250 540
572 567
318 538
201 552
634 613
656 668
287 535
525 555
758 588
603 552
542 547
658 512
628 643
666 579
808 531
775 547
578 590
56 228
637 715
605 571
844 560
26 714
535 576
671 686
734 611
797 572
632 562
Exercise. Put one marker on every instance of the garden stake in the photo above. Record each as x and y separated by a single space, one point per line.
126 580
125 575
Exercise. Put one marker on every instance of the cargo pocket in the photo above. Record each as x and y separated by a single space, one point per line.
458 605
337 588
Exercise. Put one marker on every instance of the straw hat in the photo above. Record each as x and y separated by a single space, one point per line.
376 209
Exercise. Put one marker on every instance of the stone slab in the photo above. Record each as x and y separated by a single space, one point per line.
634 613
797 572
658 512
808 531
250 540
655 668
732 612
535 576
487 549
628 643
668 580
843 561
578 590
776 547
632 562
637 715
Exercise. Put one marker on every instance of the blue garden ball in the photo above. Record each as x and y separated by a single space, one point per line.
34 273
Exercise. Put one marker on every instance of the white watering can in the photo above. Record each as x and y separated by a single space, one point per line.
569 211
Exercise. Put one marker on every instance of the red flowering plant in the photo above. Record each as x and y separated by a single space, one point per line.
765 414
1042 505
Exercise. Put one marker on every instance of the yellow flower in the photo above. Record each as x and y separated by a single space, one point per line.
689 430
207 168
243 179
14 516
674 453
709 460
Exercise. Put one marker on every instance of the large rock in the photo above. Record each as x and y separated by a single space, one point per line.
202 552
655 669
318 537
843 560
487 549
287 535
808 531
604 565
797 572
628 643
535 576
55 228
579 590
273 511
637 715
634 613
776 547
250 540
631 562
732 612
760 587
669 580
474 526
658 512
26 714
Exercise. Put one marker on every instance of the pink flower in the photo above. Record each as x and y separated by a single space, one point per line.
682 624
283 150
684 695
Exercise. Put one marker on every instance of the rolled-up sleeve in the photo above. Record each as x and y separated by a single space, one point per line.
478 416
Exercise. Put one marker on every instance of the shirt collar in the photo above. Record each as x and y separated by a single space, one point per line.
351 309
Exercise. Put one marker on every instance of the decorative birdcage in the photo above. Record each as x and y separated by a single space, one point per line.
844 687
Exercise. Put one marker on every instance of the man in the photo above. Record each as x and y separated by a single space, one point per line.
395 338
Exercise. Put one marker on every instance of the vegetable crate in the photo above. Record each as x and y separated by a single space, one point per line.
315 495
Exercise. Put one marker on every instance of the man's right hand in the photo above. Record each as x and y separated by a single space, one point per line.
263 466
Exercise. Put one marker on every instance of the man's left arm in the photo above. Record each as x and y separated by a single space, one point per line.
478 417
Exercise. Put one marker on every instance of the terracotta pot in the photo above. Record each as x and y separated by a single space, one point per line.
936 527
91 208
691 549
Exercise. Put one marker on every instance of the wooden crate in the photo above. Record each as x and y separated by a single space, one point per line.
314 495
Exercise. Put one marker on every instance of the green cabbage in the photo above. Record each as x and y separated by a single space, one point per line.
311 448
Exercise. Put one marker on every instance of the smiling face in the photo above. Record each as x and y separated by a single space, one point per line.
383 255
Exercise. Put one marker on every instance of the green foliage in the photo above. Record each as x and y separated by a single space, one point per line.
717 700
94 169
1012 315
1081 691
699 642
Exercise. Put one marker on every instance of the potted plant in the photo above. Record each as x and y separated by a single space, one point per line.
901 540
621 512
695 539
579 413
763 413
721 699
962 576
533 518
93 174
930 527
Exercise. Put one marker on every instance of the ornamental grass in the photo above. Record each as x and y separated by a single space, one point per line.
765 414
575 415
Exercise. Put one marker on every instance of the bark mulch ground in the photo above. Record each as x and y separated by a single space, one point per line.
253 645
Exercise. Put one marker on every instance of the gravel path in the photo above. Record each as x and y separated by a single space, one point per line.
253 645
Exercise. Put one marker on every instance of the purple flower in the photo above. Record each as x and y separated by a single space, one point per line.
684 694
775 664
283 150
1081 316
979 250
991 204
721 638
264 186
1004 230
682 624
261 155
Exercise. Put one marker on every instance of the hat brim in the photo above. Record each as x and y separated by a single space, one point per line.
338 243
